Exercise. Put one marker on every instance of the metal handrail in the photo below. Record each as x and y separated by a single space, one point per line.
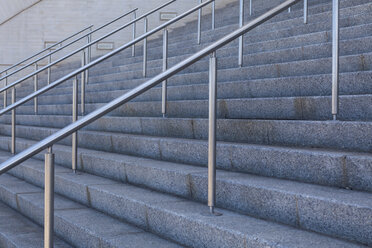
83 72
48 142
83 47
46 49
84 75
63 133
63 47
97 61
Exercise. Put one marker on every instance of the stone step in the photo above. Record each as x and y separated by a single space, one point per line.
272 26
230 15
227 58
280 44
286 108
339 135
74 222
18 231
351 63
349 16
354 83
229 50
339 168
177 50
281 182
128 202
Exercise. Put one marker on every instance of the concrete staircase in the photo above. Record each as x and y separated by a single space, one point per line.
287 175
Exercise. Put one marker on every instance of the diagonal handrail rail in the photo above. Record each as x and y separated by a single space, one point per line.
64 46
46 49
97 61
48 142
70 129
81 48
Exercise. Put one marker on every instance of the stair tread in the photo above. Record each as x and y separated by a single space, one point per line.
269 85
18 231
181 207
74 221
287 176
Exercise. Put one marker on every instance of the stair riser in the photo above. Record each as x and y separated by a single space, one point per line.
278 206
230 16
316 85
283 163
74 222
274 24
268 33
318 17
295 108
227 58
334 135
298 68
229 49
137 210
267 46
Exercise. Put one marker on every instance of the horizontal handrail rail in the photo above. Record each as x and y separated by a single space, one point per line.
63 47
84 68
70 129
46 49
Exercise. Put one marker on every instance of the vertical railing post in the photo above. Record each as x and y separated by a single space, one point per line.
49 199
212 133
74 119
145 48
241 22
335 58
13 148
165 67
213 14
250 7
90 47
5 92
82 103
49 68
36 87
306 11
199 22
134 34
87 59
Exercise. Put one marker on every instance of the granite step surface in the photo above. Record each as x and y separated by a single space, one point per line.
17 231
105 195
75 222
340 168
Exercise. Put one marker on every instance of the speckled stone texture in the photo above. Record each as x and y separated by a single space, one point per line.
287 174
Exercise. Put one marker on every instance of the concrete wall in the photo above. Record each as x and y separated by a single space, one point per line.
9 9
53 20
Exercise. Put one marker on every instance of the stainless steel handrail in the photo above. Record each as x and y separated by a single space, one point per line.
48 142
63 47
82 71
83 47
97 61
241 23
335 58
44 50
83 75
49 157
52 139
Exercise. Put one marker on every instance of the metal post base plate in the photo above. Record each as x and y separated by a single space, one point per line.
211 212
